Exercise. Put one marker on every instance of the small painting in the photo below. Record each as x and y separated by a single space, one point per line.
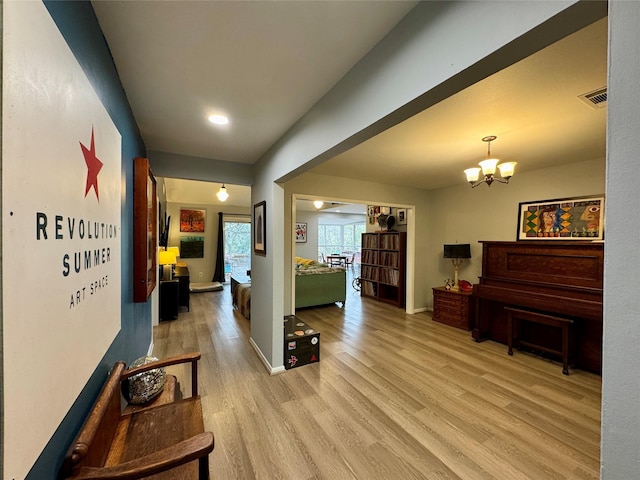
402 216
192 220
301 232
192 247
562 219
260 228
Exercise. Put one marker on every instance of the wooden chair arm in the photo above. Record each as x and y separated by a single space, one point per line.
184 452
192 357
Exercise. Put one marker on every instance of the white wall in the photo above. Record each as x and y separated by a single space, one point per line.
310 248
620 454
315 218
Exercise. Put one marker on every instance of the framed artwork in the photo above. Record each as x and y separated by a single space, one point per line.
402 216
260 228
192 220
578 218
145 226
301 232
192 247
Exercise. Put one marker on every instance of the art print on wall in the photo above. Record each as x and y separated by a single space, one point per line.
301 232
402 216
562 219
260 228
192 220
192 247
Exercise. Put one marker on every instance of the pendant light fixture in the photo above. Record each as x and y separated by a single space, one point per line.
488 168
222 194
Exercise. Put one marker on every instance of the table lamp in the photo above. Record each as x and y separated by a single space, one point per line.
166 258
176 251
457 253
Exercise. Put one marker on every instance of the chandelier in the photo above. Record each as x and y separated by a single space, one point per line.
488 168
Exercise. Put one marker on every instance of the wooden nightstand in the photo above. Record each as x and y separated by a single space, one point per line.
452 307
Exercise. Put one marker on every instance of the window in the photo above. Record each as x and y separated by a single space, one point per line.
340 238
237 246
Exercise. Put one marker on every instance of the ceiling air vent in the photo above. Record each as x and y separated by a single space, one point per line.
595 99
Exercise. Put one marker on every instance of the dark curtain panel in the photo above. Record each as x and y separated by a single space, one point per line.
218 274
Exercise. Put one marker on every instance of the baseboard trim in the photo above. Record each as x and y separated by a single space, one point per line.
263 359
420 310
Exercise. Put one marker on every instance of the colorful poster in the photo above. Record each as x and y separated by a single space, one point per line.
565 219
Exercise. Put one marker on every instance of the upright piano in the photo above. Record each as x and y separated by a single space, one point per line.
561 278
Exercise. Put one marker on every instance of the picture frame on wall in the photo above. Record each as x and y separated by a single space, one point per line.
260 228
402 216
145 226
192 247
574 218
192 220
301 232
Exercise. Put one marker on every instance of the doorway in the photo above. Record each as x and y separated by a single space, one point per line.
237 246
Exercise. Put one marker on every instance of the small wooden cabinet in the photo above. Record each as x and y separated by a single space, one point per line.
452 307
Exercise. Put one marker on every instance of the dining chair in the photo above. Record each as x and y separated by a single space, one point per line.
350 260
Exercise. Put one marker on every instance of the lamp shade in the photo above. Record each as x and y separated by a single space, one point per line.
472 174
166 258
175 250
489 166
507 169
458 250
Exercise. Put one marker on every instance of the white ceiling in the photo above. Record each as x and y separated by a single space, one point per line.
532 107
264 64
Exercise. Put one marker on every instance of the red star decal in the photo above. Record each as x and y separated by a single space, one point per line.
94 165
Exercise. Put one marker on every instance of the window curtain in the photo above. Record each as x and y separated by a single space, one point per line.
218 274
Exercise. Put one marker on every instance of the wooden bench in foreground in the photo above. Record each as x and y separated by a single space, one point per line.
162 439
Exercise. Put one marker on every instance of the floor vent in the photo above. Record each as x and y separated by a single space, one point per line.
595 99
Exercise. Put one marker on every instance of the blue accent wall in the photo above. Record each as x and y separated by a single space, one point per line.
77 22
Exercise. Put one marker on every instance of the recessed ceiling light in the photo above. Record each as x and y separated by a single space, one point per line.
218 119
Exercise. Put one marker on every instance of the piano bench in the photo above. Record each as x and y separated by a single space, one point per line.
515 315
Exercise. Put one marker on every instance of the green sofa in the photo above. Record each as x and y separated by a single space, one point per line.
320 285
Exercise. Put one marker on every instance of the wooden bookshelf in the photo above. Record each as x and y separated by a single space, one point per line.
383 267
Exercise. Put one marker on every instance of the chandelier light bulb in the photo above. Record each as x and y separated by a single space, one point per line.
488 166
473 174
218 119
222 193
507 169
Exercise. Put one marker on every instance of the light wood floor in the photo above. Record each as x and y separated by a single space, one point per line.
394 396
